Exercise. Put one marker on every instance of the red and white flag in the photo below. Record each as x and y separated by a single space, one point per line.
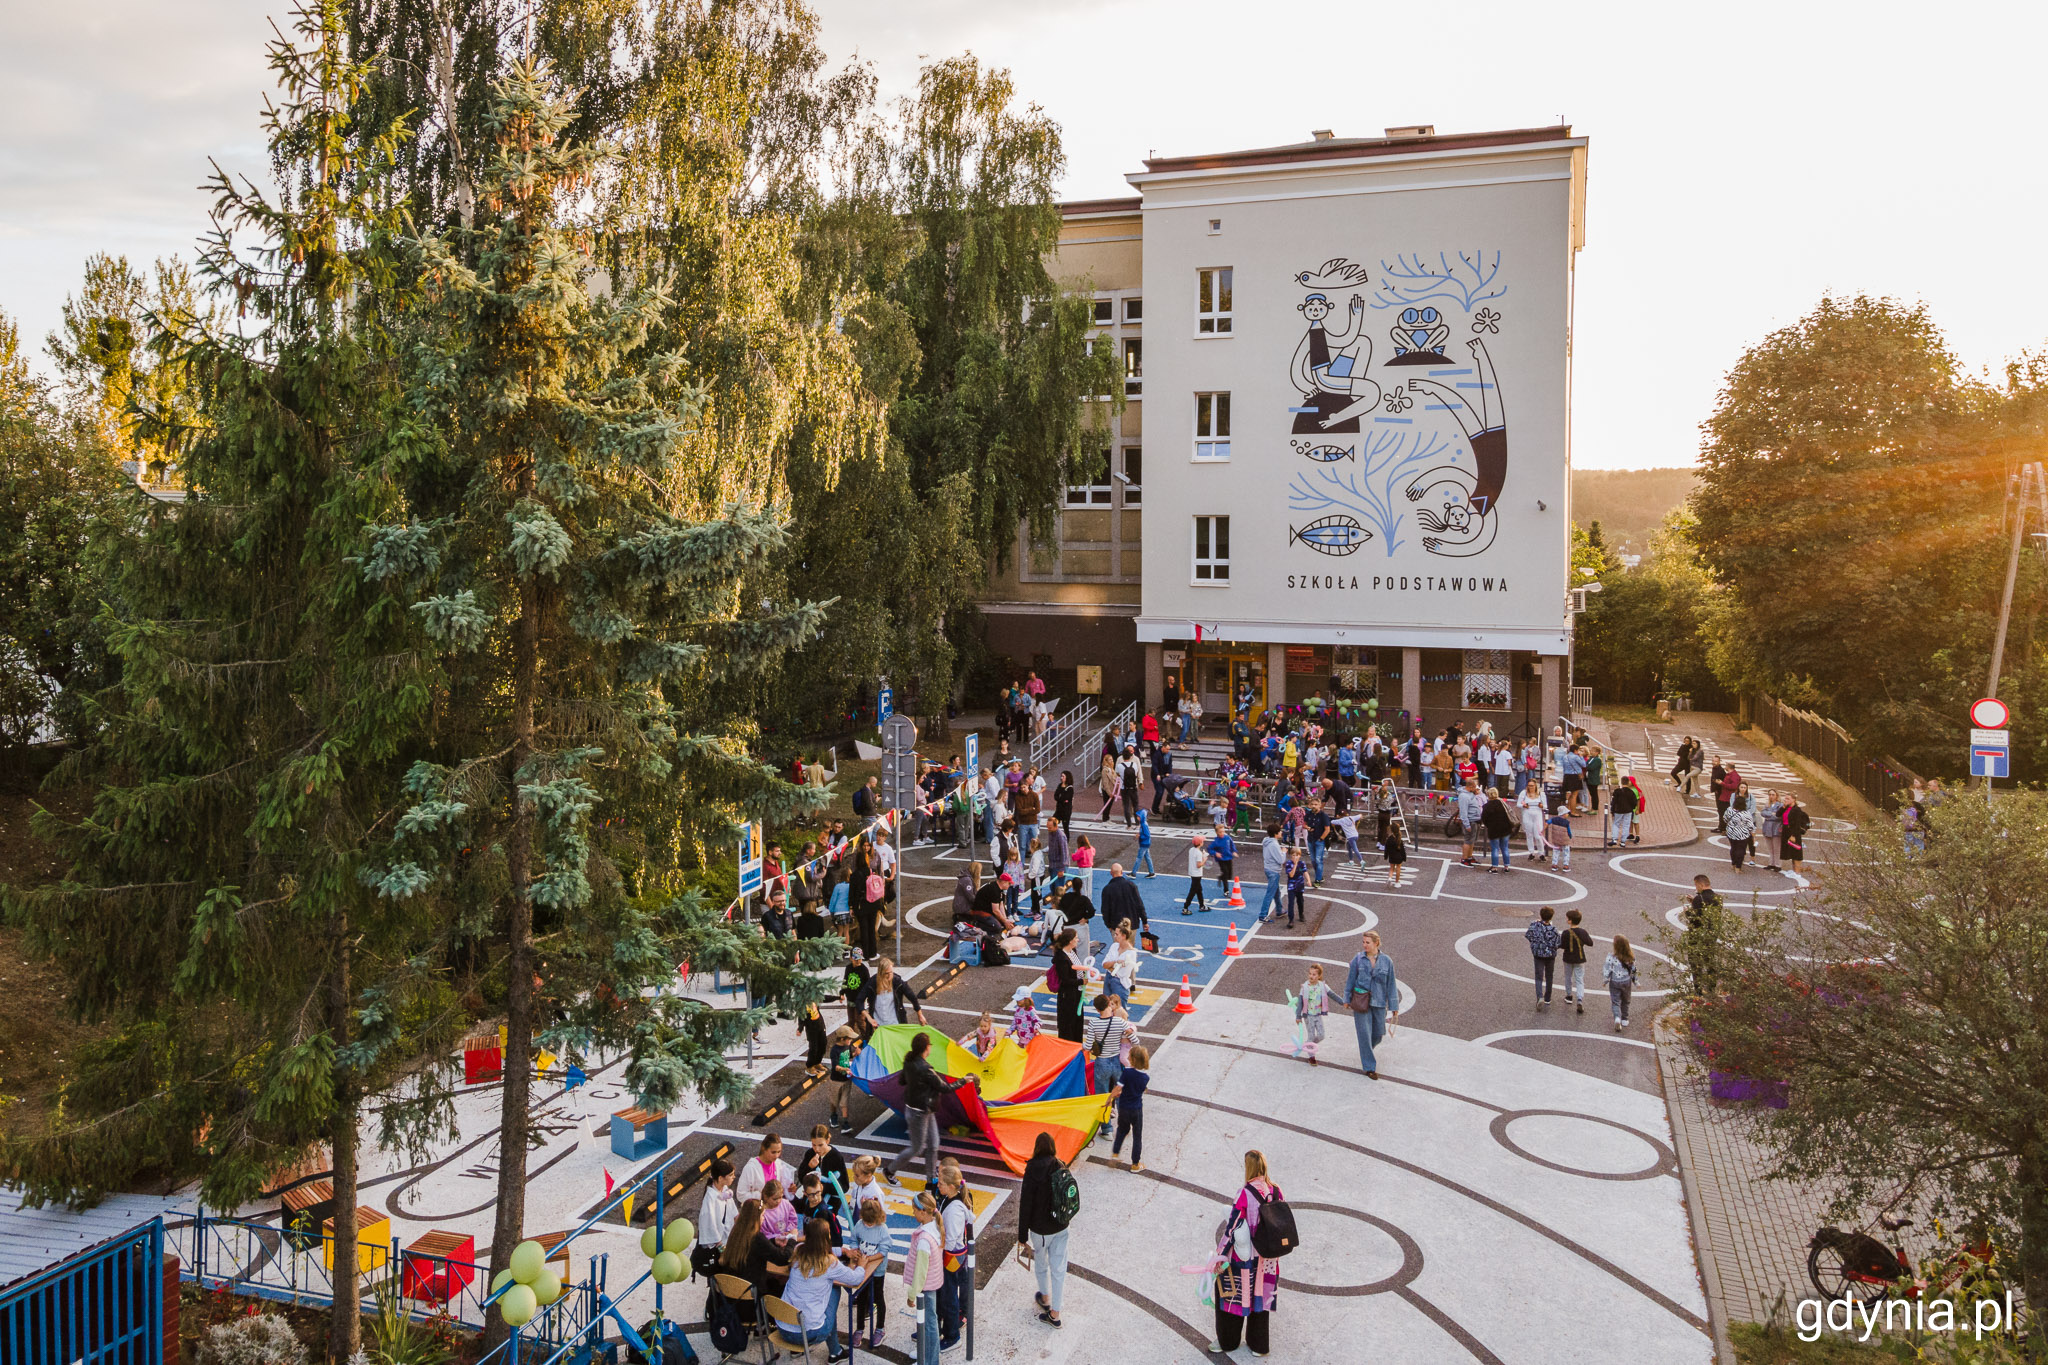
1203 632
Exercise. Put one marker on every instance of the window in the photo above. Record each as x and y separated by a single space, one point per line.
1105 312
1134 475
1212 549
1134 310
1088 484
1134 366
1212 426
1215 227
1212 302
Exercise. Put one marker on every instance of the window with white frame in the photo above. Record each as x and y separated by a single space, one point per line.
1134 310
1212 301
1212 426
1212 549
1134 366
1088 482
1134 475
1105 312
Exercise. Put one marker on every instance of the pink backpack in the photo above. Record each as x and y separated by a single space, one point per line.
874 886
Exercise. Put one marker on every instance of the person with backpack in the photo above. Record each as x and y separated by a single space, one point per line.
1573 944
1621 811
1259 1231
1046 1206
1620 973
1543 943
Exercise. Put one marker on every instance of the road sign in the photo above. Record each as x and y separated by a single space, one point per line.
1991 739
899 763
1989 713
973 753
1990 761
752 854
885 705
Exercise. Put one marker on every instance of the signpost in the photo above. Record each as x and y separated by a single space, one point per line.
885 706
972 777
752 855
1990 751
1989 713
899 791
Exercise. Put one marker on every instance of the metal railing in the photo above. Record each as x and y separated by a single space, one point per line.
104 1305
1877 777
1581 700
1046 749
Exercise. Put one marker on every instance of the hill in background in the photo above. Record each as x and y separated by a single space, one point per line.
1628 503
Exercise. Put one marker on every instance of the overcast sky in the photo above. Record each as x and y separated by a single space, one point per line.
1746 157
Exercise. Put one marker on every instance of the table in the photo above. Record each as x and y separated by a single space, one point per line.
438 1265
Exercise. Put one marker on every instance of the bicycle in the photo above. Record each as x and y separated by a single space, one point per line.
1857 1267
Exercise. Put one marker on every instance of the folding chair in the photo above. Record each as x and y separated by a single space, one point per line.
737 1290
789 1331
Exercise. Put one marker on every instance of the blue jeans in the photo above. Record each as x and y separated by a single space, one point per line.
951 1292
1497 854
988 825
1109 1069
1315 859
1114 986
1025 834
1144 861
928 1328
1372 1027
1272 901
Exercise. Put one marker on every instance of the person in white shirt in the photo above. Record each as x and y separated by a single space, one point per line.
1504 769
768 1166
862 1184
1120 965
1196 856
1532 806
715 1216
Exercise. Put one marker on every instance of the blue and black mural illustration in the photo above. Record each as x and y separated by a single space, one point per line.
1406 461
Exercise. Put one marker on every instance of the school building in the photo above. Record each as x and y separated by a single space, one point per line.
1315 487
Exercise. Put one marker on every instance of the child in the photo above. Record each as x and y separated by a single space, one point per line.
824 1159
1557 833
1023 1017
817 1201
924 1271
1034 870
1311 1008
1144 859
862 1186
1296 871
1011 878
815 1040
1084 853
870 1236
780 1223
838 906
1397 855
845 1042
985 1035
1196 856
1130 1106
1347 825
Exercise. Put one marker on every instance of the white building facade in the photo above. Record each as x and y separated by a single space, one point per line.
1358 384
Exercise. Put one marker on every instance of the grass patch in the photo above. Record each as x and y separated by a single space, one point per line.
1759 1343
1629 713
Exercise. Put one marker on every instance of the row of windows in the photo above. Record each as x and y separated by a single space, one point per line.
1213 303
1093 487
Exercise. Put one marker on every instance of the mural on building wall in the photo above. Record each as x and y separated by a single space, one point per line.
1406 461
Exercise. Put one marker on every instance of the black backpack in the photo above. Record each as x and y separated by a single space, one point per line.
994 954
1066 1197
730 1322
1275 1235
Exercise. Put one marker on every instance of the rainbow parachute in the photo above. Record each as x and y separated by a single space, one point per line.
1018 1092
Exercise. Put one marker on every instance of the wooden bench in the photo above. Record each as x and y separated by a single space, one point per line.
373 1239
439 1265
483 1058
651 1135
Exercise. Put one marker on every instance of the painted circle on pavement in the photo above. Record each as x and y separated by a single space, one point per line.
1464 946
1515 877
1580 1144
1621 865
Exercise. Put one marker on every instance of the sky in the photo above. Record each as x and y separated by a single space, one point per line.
1745 158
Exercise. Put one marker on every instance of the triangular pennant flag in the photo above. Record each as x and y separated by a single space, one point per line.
570 1082
543 1062
609 1183
626 1206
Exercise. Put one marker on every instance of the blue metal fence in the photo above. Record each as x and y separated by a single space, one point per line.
101 1307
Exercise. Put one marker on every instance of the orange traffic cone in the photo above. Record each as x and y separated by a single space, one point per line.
1186 1003
1236 894
1230 948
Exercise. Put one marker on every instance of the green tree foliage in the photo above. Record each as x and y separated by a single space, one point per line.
1902 1003
1852 489
111 375
1646 632
214 910
579 611
59 494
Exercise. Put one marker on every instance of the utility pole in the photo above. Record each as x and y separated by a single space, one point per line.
2030 486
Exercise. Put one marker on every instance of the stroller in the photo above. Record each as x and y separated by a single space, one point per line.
1176 804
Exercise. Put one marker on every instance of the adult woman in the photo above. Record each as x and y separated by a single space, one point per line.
1067 987
1246 1283
1792 843
866 910
1531 805
1109 782
1770 827
715 1216
1499 827
1041 1236
1686 765
888 999
1063 798
1739 824
1120 964
1620 974
816 1276
747 1254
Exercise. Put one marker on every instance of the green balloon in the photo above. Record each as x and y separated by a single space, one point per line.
678 1236
500 1280
546 1289
529 1262
648 1240
668 1268
518 1306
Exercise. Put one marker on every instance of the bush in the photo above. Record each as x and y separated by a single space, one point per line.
262 1339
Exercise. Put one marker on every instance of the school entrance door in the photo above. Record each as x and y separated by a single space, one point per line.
1213 672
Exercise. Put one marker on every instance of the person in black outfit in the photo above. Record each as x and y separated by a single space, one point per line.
1035 1220
747 1253
1067 981
922 1085
1122 903
1063 799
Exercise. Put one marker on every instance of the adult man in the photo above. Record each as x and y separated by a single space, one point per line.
1132 779
1704 930
1411 757
1543 942
1162 769
1078 910
1471 807
992 798
867 800
1622 811
1055 848
922 1085
1273 856
1374 997
1122 903
1317 823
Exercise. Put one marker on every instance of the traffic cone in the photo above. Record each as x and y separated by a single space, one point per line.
1236 894
1186 1003
1230 948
